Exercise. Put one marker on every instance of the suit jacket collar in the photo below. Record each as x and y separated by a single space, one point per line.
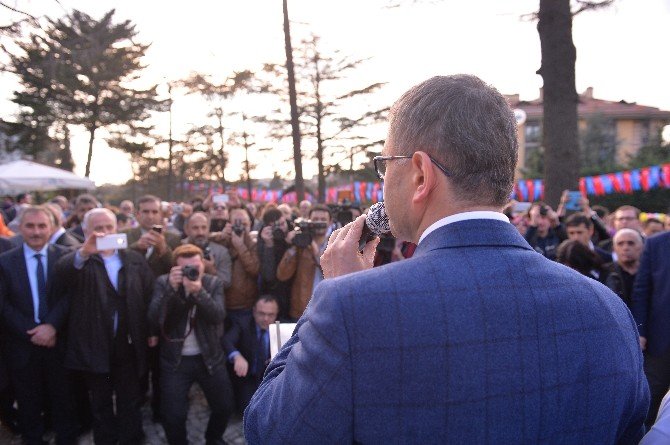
472 233
20 261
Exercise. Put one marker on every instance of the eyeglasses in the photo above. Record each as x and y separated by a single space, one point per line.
219 207
380 164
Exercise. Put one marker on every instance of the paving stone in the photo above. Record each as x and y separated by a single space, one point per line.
196 424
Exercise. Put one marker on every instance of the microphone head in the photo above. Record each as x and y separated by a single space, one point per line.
377 220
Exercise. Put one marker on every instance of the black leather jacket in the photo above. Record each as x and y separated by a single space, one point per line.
168 314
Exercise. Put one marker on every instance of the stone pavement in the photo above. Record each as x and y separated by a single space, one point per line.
196 424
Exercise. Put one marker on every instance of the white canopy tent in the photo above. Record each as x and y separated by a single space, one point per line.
26 176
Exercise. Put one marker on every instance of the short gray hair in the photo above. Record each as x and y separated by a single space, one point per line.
28 209
465 125
93 212
627 231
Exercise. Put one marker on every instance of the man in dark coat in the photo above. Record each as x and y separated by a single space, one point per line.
247 345
156 244
187 308
108 334
34 309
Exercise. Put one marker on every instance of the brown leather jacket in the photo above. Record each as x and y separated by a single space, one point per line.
244 282
302 264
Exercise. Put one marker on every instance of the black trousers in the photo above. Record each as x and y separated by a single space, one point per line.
153 375
657 370
176 385
244 388
44 378
125 425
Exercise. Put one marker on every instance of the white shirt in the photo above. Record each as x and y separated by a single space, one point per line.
56 235
659 434
464 216
31 266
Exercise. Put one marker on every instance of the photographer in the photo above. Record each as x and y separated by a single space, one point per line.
242 293
302 260
215 257
187 308
271 248
545 231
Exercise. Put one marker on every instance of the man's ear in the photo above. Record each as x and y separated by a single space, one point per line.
424 179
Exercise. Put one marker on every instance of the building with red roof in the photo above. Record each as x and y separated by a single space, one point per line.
631 125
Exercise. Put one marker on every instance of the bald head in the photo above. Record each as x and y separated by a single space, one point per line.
196 229
628 245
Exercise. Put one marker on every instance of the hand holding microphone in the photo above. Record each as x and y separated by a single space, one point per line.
352 248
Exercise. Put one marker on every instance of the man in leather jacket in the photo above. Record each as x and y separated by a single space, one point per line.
187 309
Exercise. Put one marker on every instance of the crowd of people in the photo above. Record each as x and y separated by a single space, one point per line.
88 331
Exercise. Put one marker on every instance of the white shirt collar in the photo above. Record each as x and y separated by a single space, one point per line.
480 214
56 235
29 253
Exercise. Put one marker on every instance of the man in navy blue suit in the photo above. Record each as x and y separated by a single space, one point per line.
651 309
34 308
476 338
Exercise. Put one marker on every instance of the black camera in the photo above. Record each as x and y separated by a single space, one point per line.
277 232
190 272
544 210
207 253
157 228
217 225
238 227
305 230
342 213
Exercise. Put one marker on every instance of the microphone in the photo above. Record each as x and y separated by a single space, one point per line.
376 224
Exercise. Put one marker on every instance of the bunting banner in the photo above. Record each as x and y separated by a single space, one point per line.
629 181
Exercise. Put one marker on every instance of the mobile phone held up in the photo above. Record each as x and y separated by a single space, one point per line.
115 241
220 199
157 228
574 201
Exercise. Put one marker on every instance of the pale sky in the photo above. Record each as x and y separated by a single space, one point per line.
621 51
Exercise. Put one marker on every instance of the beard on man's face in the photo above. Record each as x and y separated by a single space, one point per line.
199 240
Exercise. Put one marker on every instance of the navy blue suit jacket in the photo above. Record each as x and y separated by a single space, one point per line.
243 338
17 314
475 339
651 294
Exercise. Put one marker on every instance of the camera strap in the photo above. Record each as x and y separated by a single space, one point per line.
190 321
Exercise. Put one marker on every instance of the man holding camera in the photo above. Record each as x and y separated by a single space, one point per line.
187 308
302 260
109 293
215 257
272 246
242 293
545 231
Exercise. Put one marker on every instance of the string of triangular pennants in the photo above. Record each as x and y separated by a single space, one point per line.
369 192
629 181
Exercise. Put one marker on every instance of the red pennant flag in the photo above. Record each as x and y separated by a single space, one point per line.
644 178
598 186
627 184
530 184
582 186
